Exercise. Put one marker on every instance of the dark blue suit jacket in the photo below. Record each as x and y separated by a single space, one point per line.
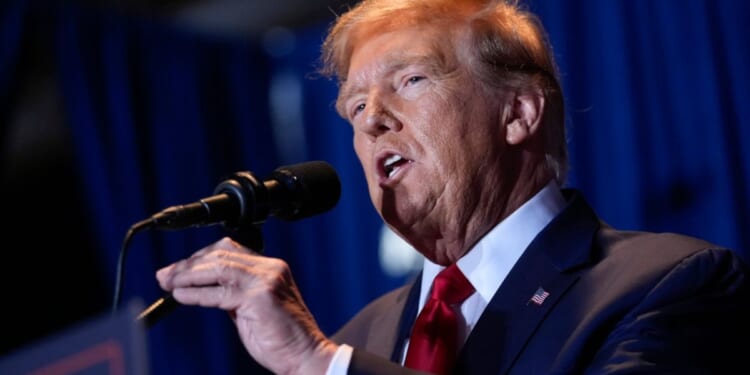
619 303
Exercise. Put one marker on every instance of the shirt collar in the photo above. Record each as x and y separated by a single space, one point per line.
488 263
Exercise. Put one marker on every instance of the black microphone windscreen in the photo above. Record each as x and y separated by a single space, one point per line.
307 189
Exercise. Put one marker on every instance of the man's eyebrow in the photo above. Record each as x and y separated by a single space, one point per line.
346 91
397 61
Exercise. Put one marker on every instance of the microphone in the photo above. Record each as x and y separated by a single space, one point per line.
289 193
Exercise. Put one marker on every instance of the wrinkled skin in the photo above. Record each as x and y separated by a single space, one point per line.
459 168
464 149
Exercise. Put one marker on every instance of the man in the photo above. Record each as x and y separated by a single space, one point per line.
458 123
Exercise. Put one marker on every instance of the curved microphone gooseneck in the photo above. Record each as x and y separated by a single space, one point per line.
242 203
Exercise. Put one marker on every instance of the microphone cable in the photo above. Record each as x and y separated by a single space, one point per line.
241 203
137 227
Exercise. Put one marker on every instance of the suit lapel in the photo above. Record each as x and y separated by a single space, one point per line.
406 320
512 316
391 325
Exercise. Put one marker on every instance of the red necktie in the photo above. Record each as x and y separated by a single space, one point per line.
433 345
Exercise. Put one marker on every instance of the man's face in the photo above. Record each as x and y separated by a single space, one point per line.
428 136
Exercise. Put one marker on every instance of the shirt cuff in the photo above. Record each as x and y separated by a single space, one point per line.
340 363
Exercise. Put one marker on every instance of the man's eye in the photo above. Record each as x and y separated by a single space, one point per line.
414 79
357 109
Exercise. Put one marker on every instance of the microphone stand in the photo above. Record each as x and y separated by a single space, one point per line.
249 235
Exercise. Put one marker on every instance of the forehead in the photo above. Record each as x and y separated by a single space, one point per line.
399 45
388 51
375 17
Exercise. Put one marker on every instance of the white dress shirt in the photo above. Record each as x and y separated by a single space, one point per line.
486 264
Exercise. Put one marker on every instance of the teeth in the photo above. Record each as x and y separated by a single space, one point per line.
393 159
389 163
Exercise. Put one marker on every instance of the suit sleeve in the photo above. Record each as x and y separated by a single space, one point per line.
372 332
693 321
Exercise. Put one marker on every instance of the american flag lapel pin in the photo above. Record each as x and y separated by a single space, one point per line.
539 296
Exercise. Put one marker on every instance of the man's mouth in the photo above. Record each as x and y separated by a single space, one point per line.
392 164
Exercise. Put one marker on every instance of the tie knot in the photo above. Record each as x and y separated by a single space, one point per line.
451 286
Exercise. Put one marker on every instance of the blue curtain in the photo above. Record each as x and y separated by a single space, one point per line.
11 35
656 93
159 113
159 117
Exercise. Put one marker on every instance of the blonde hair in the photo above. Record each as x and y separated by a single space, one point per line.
509 46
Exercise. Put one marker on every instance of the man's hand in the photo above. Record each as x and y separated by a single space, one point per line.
262 298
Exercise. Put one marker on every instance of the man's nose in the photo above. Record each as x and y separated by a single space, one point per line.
379 118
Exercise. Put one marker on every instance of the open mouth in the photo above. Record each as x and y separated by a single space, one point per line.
392 164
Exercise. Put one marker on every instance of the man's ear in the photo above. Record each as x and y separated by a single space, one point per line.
526 116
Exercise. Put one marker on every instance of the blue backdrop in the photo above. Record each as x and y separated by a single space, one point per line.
159 114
